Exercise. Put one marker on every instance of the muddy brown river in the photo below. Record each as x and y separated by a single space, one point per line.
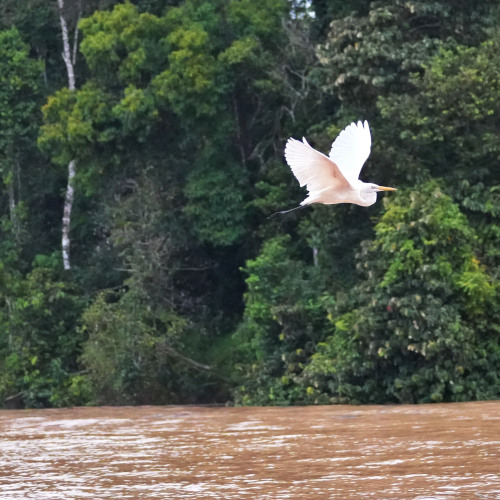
419 452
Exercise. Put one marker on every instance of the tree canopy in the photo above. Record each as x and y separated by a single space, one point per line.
181 290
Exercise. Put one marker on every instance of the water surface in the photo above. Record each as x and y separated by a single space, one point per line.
424 452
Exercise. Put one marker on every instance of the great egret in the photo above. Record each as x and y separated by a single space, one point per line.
335 178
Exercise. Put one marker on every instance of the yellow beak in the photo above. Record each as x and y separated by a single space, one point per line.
383 188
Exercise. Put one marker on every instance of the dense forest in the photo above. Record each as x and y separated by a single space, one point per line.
141 154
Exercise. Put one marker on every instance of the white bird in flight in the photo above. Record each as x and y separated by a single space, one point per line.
335 178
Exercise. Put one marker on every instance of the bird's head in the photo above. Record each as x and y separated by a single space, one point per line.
368 193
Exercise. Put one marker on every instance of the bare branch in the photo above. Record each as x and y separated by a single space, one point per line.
192 362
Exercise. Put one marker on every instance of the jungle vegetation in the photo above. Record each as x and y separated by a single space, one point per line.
156 139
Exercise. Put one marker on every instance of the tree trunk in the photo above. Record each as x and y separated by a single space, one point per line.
12 181
239 132
68 200
68 205
66 55
12 207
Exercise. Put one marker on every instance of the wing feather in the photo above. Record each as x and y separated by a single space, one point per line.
312 168
351 149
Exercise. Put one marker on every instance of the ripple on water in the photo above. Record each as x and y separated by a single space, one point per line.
308 452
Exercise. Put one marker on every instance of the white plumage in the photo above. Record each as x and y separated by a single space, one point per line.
335 178
351 149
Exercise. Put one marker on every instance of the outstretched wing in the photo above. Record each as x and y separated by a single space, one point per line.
351 149
312 168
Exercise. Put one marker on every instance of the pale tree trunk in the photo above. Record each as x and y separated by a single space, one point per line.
12 182
12 206
66 221
315 256
70 68
66 55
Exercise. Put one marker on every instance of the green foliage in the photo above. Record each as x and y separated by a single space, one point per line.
372 51
128 354
122 46
409 331
19 96
179 290
74 123
284 318
207 192
20 83
449 123
143 346
447 128
39 338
